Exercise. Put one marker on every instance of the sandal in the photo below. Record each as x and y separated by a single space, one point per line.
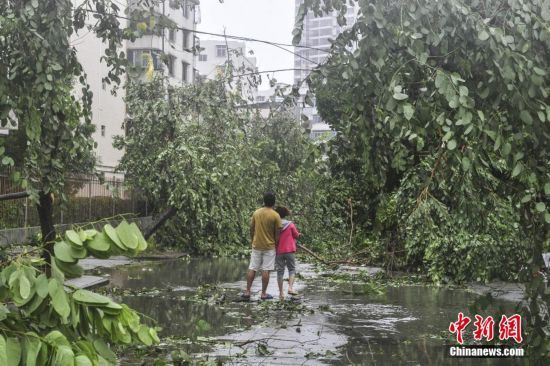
294 293
267 297
245 297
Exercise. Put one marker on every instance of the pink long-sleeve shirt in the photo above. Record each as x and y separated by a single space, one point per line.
287 240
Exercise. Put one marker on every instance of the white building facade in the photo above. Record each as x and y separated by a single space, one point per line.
214 57
177 45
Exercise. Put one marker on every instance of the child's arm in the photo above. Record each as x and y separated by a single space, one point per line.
294 231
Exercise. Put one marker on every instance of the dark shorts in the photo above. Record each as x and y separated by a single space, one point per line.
285 260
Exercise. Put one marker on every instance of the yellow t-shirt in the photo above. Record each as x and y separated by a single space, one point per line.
265 221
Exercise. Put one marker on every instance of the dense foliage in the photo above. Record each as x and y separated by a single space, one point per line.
443 120
45 322
203 151
44 92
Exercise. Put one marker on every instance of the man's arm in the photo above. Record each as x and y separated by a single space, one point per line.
277 236
278 227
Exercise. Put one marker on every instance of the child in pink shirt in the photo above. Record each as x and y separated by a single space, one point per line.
285 252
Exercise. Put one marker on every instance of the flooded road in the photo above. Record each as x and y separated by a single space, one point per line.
331 323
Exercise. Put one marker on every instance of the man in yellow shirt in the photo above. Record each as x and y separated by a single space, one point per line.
265 228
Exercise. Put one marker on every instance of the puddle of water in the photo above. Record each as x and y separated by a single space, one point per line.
398 327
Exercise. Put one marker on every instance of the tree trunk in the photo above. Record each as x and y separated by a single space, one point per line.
13 196
167 214
45 215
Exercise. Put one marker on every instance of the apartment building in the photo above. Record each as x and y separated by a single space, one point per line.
175 45
213 59
317 33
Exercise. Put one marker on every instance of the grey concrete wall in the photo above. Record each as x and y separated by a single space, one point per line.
24 235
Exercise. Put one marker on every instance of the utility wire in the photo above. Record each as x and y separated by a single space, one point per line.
241 38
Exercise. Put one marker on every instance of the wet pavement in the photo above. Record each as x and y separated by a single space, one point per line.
331 322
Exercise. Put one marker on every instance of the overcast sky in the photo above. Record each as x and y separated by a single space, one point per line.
270 20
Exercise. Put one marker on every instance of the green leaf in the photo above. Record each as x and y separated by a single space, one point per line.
3 312
64 356
72 270
142 243
104 351
547 188
483 35
154 335
32 346
526 117
112 234
34 3
144 336
3 351
408 111
73 238
547 217
56 338
506 149
539 71
13 350
90 298
59 298
451 145
400 96
24 287
62 251
100 243
466 163
540 207
517 169
82 360
126 235
6 160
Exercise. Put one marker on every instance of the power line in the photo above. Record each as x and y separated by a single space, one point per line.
269 71
241 38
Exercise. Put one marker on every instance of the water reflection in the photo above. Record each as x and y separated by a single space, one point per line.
402 326
178 273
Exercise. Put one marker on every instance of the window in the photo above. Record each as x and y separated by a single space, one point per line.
102 130
260 98
221 50
173 4
172 35
171 62
185 8
185 43
203 58
184 71
325 32
326 22
140 58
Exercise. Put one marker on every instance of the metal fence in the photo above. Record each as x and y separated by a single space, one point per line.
88 200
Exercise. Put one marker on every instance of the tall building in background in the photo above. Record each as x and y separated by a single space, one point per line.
213 59
317 33
177 45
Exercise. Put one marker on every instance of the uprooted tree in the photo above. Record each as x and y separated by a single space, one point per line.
204 158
